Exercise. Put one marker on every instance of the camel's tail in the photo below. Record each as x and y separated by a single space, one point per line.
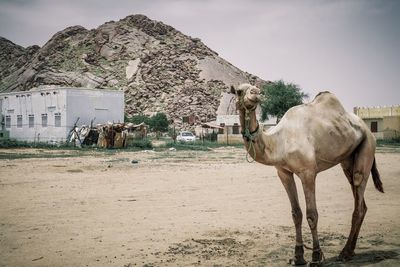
376 177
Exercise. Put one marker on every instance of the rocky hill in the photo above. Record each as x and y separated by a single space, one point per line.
159 68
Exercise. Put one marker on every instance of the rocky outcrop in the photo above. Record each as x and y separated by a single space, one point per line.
159 68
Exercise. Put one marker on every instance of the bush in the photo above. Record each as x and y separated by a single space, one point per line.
137 119
13 143
157 123
394 141
279 97
186 146
141 143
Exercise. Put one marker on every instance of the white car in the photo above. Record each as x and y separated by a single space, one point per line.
186 137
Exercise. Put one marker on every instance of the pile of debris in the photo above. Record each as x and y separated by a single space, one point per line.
110 135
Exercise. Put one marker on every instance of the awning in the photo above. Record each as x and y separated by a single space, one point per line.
211 126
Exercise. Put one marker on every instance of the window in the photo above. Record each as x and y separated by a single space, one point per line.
221 131
51 108
19 121
44 120
8 121
235 128
31 121
57 119
187 134
374 126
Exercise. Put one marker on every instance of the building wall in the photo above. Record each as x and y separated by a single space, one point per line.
230 139
379 122
65 104
229 122
101 106
377 112
391 127
35 104
391 123
387 119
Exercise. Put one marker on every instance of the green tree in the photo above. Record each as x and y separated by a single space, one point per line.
137 119
279 97
159 122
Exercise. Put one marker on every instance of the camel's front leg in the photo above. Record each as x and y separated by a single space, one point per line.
308 181
290 186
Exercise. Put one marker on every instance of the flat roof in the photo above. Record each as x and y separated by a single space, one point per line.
35 90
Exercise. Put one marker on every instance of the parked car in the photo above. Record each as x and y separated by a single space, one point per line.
186 137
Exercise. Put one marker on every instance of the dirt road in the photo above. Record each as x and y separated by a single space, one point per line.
180 208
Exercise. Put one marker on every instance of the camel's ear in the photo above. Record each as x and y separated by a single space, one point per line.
237 91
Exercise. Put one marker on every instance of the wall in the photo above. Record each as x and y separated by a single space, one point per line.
388 119
70 103
391 123
35 103
391 127
102 106
230 139
377 112
380 123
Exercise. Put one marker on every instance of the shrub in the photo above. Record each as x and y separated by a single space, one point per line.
13 143
279 97
141 143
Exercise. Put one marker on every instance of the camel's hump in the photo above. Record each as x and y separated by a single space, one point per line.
328 100
321 93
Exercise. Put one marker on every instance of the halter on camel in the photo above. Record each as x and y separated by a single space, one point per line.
246 133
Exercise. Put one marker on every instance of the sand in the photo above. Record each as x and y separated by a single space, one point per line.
180 208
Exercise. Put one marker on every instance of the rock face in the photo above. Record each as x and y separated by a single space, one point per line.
159 68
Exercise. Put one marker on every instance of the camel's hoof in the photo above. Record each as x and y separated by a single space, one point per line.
297 262
317 259
346 255
298 258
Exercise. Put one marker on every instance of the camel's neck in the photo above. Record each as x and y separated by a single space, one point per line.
248 121
264 145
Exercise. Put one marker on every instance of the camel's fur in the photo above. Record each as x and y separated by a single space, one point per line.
308 139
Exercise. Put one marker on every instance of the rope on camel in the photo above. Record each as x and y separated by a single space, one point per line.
250 136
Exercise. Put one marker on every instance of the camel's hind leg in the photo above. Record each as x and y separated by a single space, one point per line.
357 169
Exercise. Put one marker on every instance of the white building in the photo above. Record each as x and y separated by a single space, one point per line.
48 115
230 132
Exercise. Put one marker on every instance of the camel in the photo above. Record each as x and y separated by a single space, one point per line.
309 139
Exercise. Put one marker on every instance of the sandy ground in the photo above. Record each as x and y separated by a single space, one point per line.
177 208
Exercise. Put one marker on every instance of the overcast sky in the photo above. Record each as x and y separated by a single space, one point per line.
351 48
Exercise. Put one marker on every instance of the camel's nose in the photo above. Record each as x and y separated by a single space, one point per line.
255 91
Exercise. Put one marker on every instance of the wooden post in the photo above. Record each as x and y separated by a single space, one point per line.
227 138
202 134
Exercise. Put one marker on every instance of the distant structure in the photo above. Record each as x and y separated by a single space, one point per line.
48 115
230 131
384 122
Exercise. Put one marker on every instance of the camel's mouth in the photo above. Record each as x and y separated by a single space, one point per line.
248 96
254 98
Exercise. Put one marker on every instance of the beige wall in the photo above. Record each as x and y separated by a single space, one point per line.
392 123
230 139
380 123
377 112
388 119
388 127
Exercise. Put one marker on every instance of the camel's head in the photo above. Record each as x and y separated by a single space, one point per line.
247 96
